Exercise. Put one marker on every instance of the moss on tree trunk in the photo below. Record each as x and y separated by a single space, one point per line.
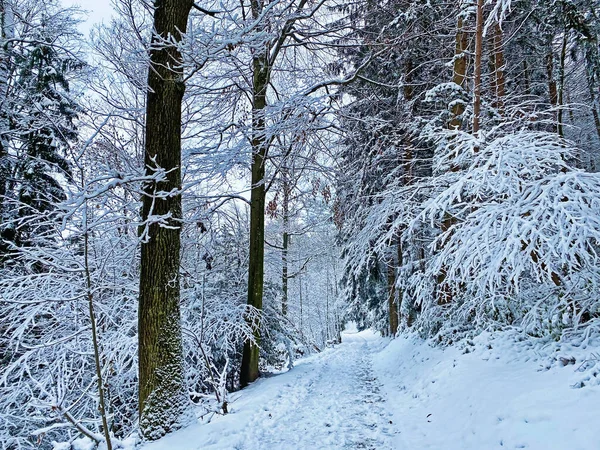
162 394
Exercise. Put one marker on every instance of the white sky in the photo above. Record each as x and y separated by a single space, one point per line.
97 11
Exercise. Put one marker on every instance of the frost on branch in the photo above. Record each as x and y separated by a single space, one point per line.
525 229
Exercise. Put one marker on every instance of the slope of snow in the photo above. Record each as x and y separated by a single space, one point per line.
372 393
490 393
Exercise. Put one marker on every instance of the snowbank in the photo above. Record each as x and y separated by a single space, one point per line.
491 392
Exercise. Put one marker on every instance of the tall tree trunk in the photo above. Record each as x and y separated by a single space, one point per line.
94 328
497 58
286 239
459 77
552 91
561 85
5 62
392 305
261 74
162 393
592 89
263 58
477 68
459 71
596 117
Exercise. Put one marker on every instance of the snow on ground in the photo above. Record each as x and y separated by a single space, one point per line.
370 393
491 393
327 401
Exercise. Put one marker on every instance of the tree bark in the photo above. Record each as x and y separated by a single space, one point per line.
263 59
499 82
261 75
459 71
286 240
561 85
552 91
392 305
477 74
459 77
5 62
162 393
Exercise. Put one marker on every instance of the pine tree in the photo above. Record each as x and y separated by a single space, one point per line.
382 124
38 114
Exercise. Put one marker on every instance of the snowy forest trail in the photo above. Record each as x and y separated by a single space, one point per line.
331 400
491 392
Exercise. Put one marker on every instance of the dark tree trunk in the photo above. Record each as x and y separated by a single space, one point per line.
392 305
162 393
459 71
249 370
477 68
262 62
561 85
5 234
459 76
497 80
286 240
552 90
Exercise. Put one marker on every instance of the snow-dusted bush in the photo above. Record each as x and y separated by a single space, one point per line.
82 269
519 234
214 309
509 233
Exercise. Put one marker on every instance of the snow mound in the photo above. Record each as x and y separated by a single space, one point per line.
492 392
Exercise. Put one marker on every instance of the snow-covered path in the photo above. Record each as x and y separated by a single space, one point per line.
404 394
328 401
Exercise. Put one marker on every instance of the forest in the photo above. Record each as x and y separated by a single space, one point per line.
199 198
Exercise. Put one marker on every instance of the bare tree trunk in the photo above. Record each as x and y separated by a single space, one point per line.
162 393
261 75
552 91
263 58
498 80
95 340
460 57
477 74
459 77
286 239
459 70
392 305
561 85
593 100
596 117
6 34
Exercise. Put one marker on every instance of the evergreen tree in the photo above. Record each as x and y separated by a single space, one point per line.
38 114
381 143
